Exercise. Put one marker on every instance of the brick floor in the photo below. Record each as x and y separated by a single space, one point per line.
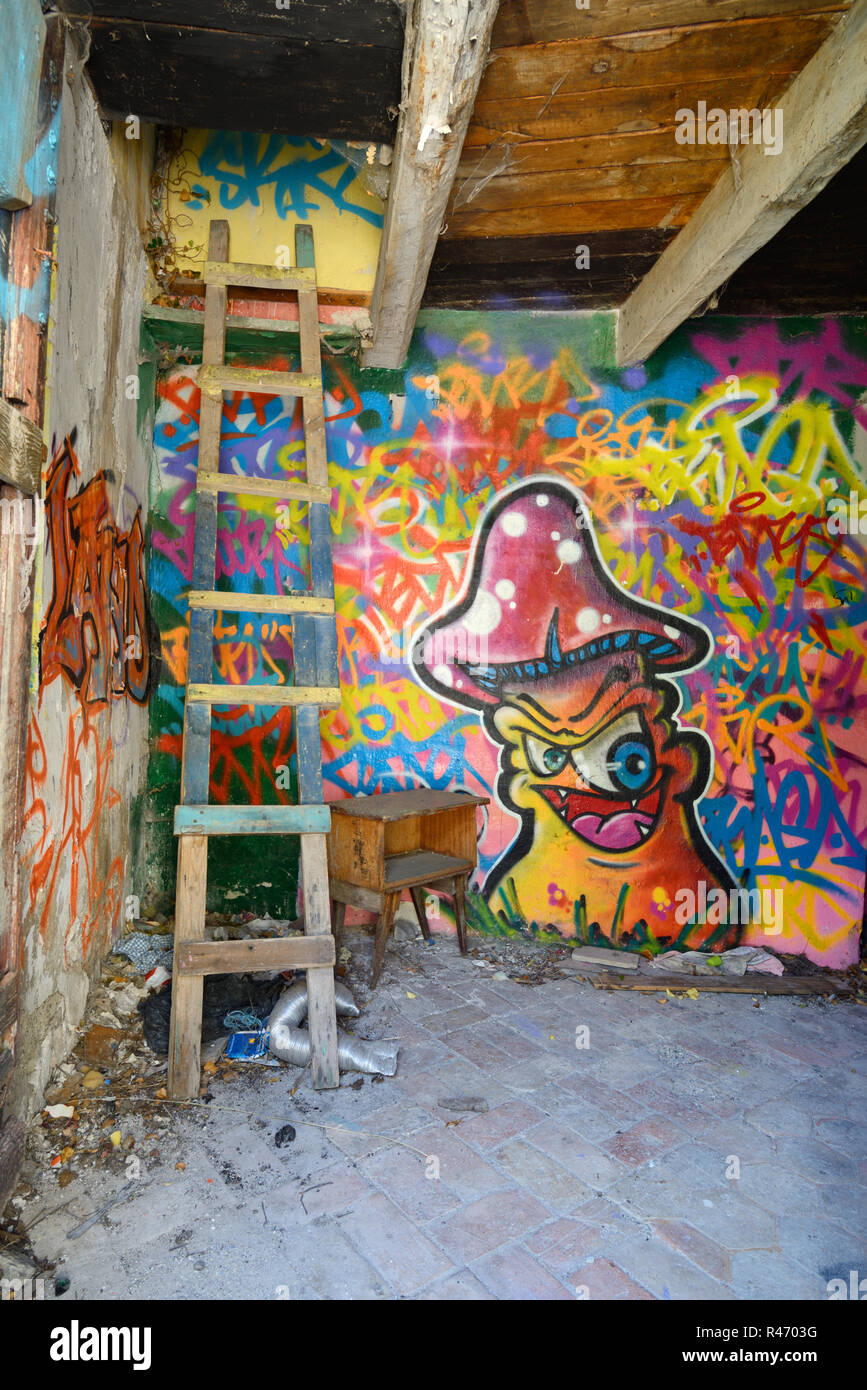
601 1172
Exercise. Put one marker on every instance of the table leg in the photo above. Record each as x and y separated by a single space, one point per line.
383 927
338 916
417 895
461 911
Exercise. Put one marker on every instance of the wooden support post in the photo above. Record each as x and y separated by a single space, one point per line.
185 1043
445 51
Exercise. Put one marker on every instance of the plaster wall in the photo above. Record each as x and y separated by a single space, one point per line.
92 657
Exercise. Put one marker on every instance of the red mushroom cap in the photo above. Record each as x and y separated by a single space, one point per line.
540 603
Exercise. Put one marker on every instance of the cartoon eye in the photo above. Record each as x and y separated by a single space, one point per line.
631 763
546 758
621 760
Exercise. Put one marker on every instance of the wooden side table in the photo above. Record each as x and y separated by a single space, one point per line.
379 845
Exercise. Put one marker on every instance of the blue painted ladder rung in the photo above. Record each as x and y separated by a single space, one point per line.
252 820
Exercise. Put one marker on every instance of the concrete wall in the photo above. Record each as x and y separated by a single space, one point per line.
92 657
651 659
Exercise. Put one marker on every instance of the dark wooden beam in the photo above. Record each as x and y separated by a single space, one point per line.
173 74
364 22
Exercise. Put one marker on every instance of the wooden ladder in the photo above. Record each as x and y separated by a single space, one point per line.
314 642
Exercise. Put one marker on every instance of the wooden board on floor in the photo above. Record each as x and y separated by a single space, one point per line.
729 984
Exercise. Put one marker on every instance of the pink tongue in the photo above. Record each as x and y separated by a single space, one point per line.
619 831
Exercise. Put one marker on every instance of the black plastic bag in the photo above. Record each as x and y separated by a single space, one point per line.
222 994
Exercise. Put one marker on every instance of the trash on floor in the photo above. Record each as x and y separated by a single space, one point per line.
221 995
474 1103
146 949
291 1043
737 961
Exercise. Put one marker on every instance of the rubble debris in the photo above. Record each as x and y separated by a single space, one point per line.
476 1103
100 1045
284 1136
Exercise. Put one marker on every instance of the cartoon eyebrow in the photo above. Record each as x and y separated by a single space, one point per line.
615 674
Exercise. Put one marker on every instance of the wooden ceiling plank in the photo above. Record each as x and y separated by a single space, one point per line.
445 51
594 152
524 250
522 22
591 185
612 112
824 124
580 219
691 53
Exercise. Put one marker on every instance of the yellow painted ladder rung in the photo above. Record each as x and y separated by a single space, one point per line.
208 481
321 697
234 602
214 379
245 275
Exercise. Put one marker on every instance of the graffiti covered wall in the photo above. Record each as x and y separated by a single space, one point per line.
628 606
95 647
265 185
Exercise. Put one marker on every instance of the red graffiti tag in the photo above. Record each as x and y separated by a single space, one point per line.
97 622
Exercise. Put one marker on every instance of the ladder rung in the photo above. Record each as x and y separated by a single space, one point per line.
262 487
322 697
237 957
235 602
215 379
249 276
252 820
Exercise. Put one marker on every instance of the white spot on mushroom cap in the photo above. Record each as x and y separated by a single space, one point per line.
672 632
514 523
442 674
555 535
542 499
485 614
568 552
587 620
504 588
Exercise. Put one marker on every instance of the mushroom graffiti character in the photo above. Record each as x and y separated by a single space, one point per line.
572 675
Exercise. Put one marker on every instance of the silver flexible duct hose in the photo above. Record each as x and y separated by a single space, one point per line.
292 1044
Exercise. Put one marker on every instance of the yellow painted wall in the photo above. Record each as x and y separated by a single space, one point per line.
264 185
